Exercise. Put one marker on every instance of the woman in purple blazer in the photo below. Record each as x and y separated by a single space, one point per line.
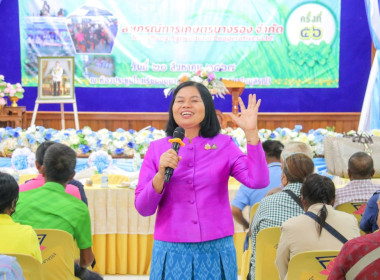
194 225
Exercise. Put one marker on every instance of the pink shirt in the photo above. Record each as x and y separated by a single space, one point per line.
80 37
39 181
194 206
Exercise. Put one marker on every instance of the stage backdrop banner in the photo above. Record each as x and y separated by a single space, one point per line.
149 43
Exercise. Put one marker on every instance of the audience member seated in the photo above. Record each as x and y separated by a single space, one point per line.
303 233
291 148
14 238
360 188
246 196
50 207
10 268
277 208
364 250
74 187
368 223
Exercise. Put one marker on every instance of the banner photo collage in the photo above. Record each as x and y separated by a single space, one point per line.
149 43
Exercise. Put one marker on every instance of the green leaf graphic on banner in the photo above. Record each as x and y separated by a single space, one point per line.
309 54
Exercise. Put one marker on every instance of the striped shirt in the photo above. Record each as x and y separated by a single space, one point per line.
356 191
272 212
49 207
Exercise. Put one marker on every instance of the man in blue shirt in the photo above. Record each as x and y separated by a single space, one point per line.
246 196
368 223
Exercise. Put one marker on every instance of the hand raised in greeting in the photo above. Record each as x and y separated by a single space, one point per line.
248 118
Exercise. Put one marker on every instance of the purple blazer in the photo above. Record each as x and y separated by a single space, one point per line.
194 206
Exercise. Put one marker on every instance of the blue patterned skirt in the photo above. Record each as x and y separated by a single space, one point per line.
215 259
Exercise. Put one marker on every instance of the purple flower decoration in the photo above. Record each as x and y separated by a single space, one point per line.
211 76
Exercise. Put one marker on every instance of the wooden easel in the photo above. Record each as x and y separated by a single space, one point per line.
43 62
62 102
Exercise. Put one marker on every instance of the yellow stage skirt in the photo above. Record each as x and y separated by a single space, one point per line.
131 253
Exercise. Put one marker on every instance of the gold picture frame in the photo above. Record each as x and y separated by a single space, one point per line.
56 78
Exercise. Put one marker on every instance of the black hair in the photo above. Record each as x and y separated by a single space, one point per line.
8 191
210 126
297 167
273 148
360 165
59 163
41 151
319 189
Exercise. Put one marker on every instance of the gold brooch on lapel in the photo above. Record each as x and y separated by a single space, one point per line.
207 146
213 147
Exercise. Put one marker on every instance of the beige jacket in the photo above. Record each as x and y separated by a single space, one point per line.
299 234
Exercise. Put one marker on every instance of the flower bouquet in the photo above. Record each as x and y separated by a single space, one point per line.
204 76
101 160
23 158
14 92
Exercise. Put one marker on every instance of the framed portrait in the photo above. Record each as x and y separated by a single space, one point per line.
56 79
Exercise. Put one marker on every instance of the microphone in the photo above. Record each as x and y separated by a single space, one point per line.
178 135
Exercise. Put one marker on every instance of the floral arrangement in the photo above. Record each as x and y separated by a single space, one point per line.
7 89
23 158
101 160
84 141
133 143
204 76
314 138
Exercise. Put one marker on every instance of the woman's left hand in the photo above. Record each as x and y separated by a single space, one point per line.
248 118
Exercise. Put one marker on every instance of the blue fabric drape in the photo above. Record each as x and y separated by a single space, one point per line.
125 164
